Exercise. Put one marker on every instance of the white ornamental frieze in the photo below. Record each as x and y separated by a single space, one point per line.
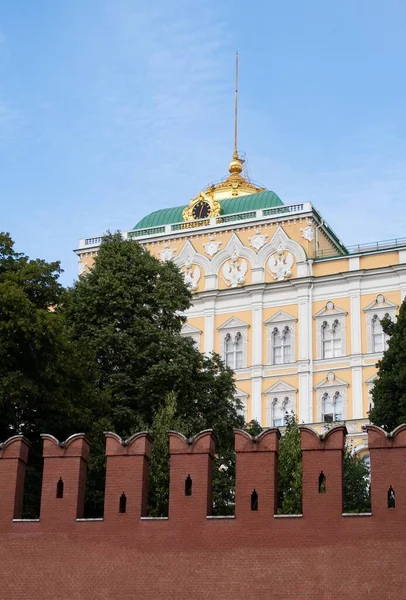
258 240
234 271
212 247
280 264
191 276
168 253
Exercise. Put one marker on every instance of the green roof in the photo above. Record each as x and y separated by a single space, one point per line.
229 206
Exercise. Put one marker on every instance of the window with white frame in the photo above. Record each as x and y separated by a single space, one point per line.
377 339
191 332
370 384
280 404
281 338
330 332
280 410
281 345
331 339
242 397
331 399
233 343
233 350
332 407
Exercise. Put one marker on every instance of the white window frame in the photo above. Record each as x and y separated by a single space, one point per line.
243 398
191 332
331 385
280 321
279 394
328 320
370 385
235 330
378 309
333 398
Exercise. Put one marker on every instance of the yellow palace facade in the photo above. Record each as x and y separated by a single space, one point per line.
292 310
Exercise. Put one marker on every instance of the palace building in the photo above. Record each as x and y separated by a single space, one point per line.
295 312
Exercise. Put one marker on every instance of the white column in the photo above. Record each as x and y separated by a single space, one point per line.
305 335
209 312
355 318
256 399
257 330
357 408
356 347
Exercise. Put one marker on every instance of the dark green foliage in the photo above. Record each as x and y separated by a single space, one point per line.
389 392
165 420
290 469
45 377
356 483
127 314
355 475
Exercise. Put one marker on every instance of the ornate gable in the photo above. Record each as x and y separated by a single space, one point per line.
280 387
233 323
280 317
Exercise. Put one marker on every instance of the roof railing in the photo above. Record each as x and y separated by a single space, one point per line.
251 215
365 248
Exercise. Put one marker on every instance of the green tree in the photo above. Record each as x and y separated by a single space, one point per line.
165 420
356 497
45 379
127 312
43 375
389 392
356 483
290 469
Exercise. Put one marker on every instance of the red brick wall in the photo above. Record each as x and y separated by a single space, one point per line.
321 555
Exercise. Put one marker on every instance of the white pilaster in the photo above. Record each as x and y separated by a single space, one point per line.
209 312
257 330
256 398
355 319
305 403
357 408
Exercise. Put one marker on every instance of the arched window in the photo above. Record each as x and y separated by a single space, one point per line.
238 351
234 350
278 417
331 339
326 341
276 347
336 335
332 407
327 408
228 351
287 407
281 346
338 406
379 337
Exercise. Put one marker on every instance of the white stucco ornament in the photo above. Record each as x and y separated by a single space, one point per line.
81 268
308 233
234 271
168 253
212 247
258 240
191 276
280 264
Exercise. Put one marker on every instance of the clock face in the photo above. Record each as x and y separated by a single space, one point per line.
201 210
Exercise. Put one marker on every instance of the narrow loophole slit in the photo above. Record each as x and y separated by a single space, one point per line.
188 486
59 488
254 500
391 497
123 503
322 483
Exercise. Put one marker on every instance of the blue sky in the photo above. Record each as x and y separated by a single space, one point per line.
110 109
